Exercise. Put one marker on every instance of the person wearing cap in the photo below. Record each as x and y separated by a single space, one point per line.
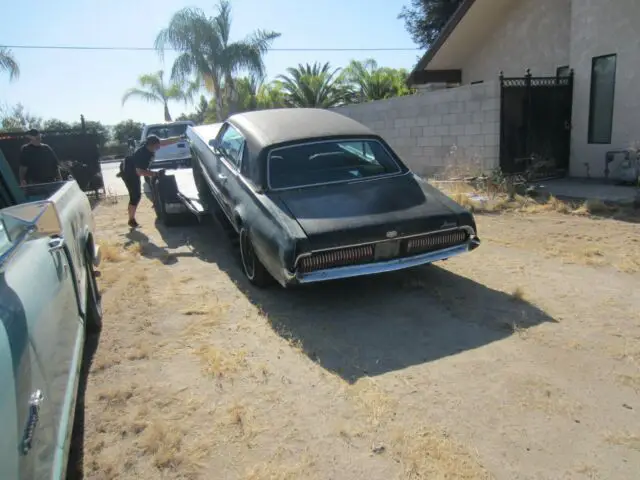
136 166
38 161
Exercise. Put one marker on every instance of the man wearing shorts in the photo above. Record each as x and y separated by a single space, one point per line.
136 166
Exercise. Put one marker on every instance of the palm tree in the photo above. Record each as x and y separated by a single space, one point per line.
153 89
207 53
314 86
374 83
253 94
8 63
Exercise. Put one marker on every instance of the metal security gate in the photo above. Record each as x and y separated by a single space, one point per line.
535 125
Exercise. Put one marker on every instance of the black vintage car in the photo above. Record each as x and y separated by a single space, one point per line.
314 195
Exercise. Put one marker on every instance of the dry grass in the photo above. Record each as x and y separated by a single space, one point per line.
479 201
145 427
294 467
218 362
111 252
631 381
370 397
538 394
431 455
518 294
627 440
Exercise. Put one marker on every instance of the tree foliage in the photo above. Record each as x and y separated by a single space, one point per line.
54 124
207 53
17 118
316 85
370 82
125 130
9 64
425 19
152 88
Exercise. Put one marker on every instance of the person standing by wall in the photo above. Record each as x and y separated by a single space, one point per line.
137 165
38 161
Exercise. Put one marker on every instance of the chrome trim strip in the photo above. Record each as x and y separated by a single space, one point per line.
466 228
97 255
382 267
354 180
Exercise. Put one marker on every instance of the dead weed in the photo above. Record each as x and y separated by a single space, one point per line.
430 455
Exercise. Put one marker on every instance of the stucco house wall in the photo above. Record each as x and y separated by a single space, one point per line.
432 130
602 27
533 34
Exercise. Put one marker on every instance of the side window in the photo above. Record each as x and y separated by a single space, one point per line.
232 145
244 167
603 84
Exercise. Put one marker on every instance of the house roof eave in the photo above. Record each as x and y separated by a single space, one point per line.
442 38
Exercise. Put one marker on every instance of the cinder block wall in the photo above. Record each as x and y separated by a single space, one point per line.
456 127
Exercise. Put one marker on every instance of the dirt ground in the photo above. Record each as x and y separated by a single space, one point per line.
520 360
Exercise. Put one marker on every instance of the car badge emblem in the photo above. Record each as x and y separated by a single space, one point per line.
449 225
392 234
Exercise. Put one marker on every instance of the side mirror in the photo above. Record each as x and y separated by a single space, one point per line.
37 217
213 143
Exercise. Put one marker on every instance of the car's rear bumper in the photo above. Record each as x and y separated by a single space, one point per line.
384 266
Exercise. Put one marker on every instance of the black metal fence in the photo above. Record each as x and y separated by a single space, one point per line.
535 124
77 151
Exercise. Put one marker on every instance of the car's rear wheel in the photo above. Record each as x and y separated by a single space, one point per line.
93 316
251 265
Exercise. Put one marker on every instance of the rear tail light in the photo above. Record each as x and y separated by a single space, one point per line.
436 241
336 258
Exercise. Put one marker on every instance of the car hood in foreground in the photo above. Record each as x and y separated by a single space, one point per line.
366 211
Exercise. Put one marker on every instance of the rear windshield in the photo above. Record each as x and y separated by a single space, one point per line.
166 131
329 162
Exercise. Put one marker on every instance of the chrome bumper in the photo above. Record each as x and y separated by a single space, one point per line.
386 266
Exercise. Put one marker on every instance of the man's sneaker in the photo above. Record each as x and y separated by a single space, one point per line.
133 224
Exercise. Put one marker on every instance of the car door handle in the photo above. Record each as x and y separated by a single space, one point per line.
56 244
222 178
32 420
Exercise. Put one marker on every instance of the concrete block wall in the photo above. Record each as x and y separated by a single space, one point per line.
456 127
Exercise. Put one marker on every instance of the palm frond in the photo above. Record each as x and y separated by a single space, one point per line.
9 64
141 94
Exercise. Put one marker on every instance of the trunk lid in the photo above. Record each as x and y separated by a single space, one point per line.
363 212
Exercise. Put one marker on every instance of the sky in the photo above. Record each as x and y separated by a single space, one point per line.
63 84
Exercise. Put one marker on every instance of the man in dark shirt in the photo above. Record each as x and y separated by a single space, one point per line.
136 166
38 162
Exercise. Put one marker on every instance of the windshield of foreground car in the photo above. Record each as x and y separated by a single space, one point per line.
166 131
328 162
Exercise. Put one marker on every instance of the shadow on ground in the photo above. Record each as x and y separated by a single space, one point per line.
75 469
373 325
150 250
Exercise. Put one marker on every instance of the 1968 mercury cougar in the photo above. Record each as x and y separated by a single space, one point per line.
315 196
